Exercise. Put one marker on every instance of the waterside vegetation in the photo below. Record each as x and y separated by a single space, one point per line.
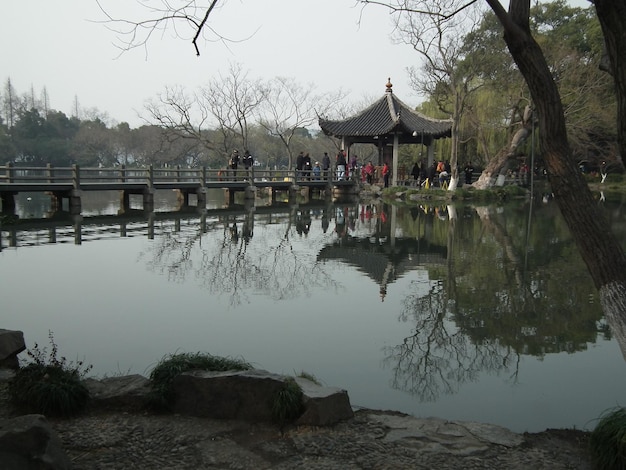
53 386
172 365
608 440
49 384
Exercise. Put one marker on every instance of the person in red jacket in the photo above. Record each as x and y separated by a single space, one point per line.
386 174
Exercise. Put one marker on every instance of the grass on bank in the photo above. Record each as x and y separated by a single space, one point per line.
170 366
496 193
287 404
607 442
49 384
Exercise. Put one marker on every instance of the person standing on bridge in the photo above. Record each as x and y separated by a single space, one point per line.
248 161
234 162
386 174
306 167
341 165
299 165
325 165
317 171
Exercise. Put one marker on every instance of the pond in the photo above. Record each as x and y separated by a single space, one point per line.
470 312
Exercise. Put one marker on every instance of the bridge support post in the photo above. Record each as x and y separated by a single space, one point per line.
78 229
293 190
185 197
125 201
230 196
148 200
201 195
75 202
148 194
250 192
8 202
56 201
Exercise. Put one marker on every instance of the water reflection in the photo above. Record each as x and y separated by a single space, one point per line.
226 266
507 289
482 287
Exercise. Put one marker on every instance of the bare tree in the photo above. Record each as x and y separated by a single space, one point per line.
290 107
232 100
183 116
188 19
445 76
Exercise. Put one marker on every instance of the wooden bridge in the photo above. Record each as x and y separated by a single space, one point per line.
69 182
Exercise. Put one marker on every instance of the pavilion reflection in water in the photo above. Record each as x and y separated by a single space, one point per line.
382 256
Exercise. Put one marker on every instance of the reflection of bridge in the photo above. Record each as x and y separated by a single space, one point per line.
68 183
64 227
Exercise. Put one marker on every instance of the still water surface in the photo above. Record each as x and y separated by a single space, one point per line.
488 316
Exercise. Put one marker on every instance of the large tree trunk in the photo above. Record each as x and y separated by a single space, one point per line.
612 16
599 248
504 158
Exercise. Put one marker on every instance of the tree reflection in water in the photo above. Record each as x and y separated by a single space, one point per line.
240 262
439 357
503 292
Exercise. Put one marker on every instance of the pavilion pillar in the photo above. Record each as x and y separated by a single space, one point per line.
394 173
430 151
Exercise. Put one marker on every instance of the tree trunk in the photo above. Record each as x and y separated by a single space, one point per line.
612 16
500 164
599 248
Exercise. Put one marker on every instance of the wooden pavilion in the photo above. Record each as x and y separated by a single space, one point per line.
388 123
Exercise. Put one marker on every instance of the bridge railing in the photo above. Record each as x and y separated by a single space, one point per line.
76 175
25 174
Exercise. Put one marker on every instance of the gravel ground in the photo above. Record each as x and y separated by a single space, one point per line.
118 440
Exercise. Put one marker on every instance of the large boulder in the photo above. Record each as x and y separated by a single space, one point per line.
249 395
323 406
126 393
29 443
11 344
245 395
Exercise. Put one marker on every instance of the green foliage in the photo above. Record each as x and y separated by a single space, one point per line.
571 40
608 441
287 405
50 385
171 366
496 193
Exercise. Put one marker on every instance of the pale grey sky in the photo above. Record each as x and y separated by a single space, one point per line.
61 46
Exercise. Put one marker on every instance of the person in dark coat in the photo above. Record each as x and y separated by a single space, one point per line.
415 173
299 164
233 162
469 173
325 164
306 166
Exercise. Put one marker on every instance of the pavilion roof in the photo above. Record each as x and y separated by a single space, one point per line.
386 116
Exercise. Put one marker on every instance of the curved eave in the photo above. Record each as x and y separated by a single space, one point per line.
387 116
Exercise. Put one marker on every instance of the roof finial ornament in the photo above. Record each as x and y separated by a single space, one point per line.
389 85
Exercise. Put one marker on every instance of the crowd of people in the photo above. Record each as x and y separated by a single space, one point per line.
437 174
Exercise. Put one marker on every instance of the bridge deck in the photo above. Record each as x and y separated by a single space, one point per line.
70 182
